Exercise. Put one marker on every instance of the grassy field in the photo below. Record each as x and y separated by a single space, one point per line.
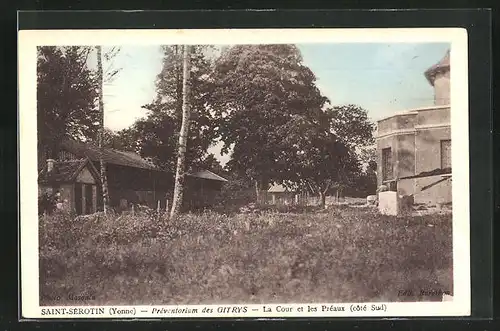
342 254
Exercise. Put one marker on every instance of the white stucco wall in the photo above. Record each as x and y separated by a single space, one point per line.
442 89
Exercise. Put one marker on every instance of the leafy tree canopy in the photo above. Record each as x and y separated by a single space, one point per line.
66 96
351 124
259 90
156 136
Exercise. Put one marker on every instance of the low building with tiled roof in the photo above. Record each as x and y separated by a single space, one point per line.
131 179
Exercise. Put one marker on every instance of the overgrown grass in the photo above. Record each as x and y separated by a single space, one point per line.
339 255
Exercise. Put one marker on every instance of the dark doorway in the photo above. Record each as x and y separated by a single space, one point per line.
100 203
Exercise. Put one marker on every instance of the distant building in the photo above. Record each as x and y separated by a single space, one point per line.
414 147
279 194
131 180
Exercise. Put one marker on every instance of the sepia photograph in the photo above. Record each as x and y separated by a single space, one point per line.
256 174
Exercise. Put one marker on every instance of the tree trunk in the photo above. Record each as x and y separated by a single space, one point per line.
257 191
102 164
179 87
181 158
322 199
261 187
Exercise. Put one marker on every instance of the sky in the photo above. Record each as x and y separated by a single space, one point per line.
381 78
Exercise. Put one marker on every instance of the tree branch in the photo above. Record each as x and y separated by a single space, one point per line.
328 183
313 189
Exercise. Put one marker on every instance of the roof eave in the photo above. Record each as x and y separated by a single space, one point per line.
217 177
429 75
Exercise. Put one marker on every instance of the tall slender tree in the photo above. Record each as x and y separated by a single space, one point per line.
102 163
183 135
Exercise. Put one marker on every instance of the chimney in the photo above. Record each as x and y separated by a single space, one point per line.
50 165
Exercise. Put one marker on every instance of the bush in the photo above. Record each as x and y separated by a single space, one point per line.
46 203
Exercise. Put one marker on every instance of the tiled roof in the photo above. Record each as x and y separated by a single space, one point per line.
123 158
109 155
206 174
444 64
64 171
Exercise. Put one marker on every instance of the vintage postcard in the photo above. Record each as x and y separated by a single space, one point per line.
244 173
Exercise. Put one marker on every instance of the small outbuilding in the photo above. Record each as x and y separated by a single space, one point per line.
75 182
279 194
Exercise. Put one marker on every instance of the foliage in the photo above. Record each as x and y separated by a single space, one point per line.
118 140
322 157
46 203
210 162
156 136
366 180
239 191
363 184
258 90
316 157
351 124
270 112
337 255
66 95
367 156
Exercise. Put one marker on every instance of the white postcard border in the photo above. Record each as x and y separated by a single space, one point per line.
28 40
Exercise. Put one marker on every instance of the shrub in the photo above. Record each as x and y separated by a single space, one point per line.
46 203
